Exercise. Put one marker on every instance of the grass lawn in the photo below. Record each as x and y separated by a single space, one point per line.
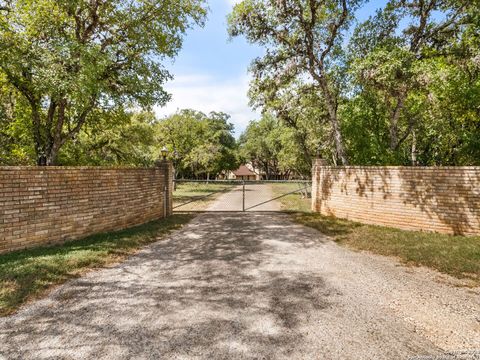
198 195
458 256
293 202
455 255
27 274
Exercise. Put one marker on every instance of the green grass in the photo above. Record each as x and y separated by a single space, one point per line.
292 202
458 256
196 194
27 274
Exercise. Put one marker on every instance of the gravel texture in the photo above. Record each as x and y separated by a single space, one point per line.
248 286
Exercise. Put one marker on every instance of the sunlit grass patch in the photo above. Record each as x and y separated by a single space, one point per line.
458 256
197 196
299 200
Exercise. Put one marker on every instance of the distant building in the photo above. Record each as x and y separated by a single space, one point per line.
249 172
242 173
260 174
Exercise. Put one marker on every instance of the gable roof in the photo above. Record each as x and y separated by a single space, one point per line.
243 171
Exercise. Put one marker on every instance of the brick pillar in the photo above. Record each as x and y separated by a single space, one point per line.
317 168
167 168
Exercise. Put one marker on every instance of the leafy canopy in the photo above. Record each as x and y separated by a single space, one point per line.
70 57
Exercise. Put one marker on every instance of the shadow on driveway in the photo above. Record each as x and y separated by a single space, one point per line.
219 288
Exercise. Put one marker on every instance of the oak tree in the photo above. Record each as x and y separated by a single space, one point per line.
70 57
303 38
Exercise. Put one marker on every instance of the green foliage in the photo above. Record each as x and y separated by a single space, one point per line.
403 90
303 118
401 87
119 138
415 87
16 147
260 145
200 145
68 59
268 144
304 40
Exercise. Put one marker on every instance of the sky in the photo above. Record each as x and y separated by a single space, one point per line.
211 71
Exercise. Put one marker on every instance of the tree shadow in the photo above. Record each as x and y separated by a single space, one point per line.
210 291
451 195
439 199
327 225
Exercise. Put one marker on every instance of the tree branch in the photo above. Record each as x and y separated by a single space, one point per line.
335 28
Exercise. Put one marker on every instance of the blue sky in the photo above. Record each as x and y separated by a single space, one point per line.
211 71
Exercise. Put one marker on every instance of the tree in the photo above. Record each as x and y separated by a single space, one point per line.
120 138
70 58
220 145
271 146
256 145
298 107
15 147
198 144
304 37
388 57
178 133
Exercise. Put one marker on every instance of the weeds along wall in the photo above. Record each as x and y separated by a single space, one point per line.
44 205
440 199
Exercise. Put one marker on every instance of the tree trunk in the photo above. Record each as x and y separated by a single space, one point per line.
52 154
332 114
47 144
338 139
394 119
37 134
337 134
414 149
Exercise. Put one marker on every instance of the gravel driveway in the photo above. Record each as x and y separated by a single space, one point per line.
247 286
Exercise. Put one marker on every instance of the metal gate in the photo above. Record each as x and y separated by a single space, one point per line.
241 195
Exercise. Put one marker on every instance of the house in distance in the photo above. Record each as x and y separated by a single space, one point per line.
242 173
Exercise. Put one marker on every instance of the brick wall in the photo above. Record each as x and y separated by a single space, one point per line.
41 205
440 199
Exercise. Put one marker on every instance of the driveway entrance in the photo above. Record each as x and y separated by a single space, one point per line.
239 195
248 285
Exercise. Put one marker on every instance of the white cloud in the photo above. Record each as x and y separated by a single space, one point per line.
205 93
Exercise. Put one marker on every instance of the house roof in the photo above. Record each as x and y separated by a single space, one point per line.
243 171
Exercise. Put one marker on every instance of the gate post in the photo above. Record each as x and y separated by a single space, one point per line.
243 197
317 170
167 170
